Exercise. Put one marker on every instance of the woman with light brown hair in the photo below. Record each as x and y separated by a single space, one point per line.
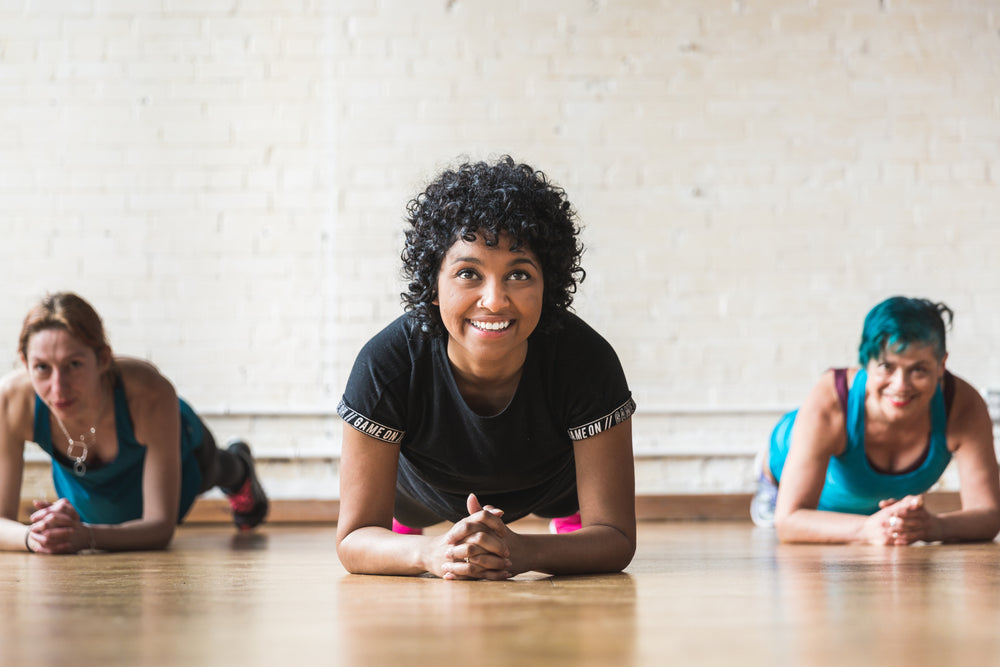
128 456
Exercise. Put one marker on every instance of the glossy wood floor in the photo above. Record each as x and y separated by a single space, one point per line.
696 594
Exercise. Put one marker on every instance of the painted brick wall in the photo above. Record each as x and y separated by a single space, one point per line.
225 181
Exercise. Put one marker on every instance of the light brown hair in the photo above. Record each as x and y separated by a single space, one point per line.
71 313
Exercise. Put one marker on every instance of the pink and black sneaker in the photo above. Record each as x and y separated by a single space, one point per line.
249 503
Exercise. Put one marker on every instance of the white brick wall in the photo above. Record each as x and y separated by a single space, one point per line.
226 181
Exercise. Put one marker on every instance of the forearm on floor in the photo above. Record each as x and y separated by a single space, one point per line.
138 535
375 550
820 527
12 535
971 525
590 550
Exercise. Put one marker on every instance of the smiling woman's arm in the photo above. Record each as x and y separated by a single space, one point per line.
605 475
970 435
819 433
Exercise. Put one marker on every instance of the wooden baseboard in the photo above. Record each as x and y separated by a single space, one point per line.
216 510
682 507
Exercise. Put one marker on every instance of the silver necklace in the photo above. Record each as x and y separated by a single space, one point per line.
80 460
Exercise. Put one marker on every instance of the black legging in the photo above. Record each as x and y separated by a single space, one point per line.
218 467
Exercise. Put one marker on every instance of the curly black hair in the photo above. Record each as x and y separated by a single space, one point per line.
490 200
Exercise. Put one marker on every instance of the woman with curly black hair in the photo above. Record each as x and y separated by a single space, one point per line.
487 400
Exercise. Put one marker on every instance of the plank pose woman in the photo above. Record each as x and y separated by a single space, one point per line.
487 400
128 457
852 464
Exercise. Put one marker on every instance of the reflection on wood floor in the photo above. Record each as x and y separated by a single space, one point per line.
696 594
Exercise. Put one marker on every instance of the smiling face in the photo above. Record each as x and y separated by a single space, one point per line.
902 383
490 299
65 373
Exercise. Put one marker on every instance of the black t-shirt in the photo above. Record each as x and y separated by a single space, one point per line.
402 391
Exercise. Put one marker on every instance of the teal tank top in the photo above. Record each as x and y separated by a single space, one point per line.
111 493
852 485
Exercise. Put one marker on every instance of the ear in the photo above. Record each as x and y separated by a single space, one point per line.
104 358
943 360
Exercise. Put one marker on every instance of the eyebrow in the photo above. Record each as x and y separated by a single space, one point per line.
476 260
69 357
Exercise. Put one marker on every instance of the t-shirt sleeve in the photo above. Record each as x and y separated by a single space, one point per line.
375 398
597 396
603 422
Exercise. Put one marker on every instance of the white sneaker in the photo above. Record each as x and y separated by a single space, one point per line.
765 498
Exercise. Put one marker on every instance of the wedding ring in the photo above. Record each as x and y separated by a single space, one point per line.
893 521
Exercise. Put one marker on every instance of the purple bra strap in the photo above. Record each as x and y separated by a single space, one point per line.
840 382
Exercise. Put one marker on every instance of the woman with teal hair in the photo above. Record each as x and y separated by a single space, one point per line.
853 462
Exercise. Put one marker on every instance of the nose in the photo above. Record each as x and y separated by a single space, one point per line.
60 381
899 379
494 295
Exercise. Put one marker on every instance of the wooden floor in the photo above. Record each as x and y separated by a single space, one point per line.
697 593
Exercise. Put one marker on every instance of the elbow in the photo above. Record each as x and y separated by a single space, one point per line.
354 563
347 562
782 529
348 557
991 528
163 537
625 559
628 553
165 541
622 556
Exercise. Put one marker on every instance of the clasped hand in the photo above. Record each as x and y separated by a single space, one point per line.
900 522
56 528
477 547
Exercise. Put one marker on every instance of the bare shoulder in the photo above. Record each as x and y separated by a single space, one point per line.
17 403
823 402
145 386
15 382
820 426
969 411
967 396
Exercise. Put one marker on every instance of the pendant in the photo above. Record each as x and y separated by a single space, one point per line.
79 467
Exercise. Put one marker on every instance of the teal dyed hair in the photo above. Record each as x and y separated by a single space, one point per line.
899 321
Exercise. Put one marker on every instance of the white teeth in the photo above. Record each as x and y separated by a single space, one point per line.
491 326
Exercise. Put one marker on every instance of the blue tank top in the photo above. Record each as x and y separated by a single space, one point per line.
111 493
852 485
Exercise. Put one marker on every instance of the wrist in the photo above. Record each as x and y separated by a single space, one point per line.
27 538
936 530
425 554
